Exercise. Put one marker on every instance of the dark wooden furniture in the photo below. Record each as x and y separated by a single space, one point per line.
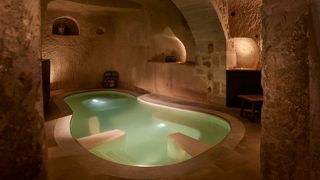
110 79
243 82
255 101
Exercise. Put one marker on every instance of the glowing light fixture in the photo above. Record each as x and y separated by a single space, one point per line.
247 52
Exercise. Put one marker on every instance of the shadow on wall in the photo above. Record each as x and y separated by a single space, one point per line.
166 46
65 26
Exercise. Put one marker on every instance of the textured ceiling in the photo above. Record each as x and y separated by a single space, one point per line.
245 18
200 15
110 3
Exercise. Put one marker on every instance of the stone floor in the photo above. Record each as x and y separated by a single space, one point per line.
238 162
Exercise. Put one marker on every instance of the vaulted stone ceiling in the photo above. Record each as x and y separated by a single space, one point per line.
239 18
202 19
110 3
199 14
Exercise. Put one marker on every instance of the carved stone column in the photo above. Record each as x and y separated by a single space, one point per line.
314 65
285 114
22 140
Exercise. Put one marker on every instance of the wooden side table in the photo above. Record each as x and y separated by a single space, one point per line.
254 99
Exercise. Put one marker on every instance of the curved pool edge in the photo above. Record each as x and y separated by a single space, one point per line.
237 128
72 148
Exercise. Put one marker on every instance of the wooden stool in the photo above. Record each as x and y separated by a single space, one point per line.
255 100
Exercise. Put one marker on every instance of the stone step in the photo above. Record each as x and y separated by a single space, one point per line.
101 138
192 146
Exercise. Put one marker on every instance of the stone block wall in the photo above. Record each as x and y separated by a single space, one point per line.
211 46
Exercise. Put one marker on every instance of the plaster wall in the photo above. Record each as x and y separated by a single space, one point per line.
126 46
23 149
285 113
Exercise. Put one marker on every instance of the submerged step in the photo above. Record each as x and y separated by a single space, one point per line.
188 144
101 138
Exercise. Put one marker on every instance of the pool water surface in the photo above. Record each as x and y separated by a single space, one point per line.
138 133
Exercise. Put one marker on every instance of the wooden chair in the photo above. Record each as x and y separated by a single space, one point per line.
255 101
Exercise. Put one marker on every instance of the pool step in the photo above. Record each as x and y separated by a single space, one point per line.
98 139
188 144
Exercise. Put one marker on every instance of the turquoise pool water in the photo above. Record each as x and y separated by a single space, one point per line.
146 128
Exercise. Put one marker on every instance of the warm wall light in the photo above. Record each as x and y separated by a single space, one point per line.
231 59
247 52
53 76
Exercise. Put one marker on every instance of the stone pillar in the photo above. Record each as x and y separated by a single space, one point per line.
22 140
285 77
315 90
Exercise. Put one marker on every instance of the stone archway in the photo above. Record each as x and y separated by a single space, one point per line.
211 45
65 26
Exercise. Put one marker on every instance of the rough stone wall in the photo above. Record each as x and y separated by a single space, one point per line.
79 61
245 19
22 142
315 91
285 114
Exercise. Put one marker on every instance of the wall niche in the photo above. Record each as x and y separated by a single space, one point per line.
65 26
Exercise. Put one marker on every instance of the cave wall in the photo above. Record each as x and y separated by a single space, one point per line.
314 90
245 19
23 145
78 61
285 113
127 46
245 22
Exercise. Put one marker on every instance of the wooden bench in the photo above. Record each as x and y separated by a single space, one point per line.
255 100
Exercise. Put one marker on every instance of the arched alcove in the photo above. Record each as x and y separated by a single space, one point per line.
247 53
65 26
167 47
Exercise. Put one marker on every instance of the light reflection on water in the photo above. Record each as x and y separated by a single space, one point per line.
146 127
